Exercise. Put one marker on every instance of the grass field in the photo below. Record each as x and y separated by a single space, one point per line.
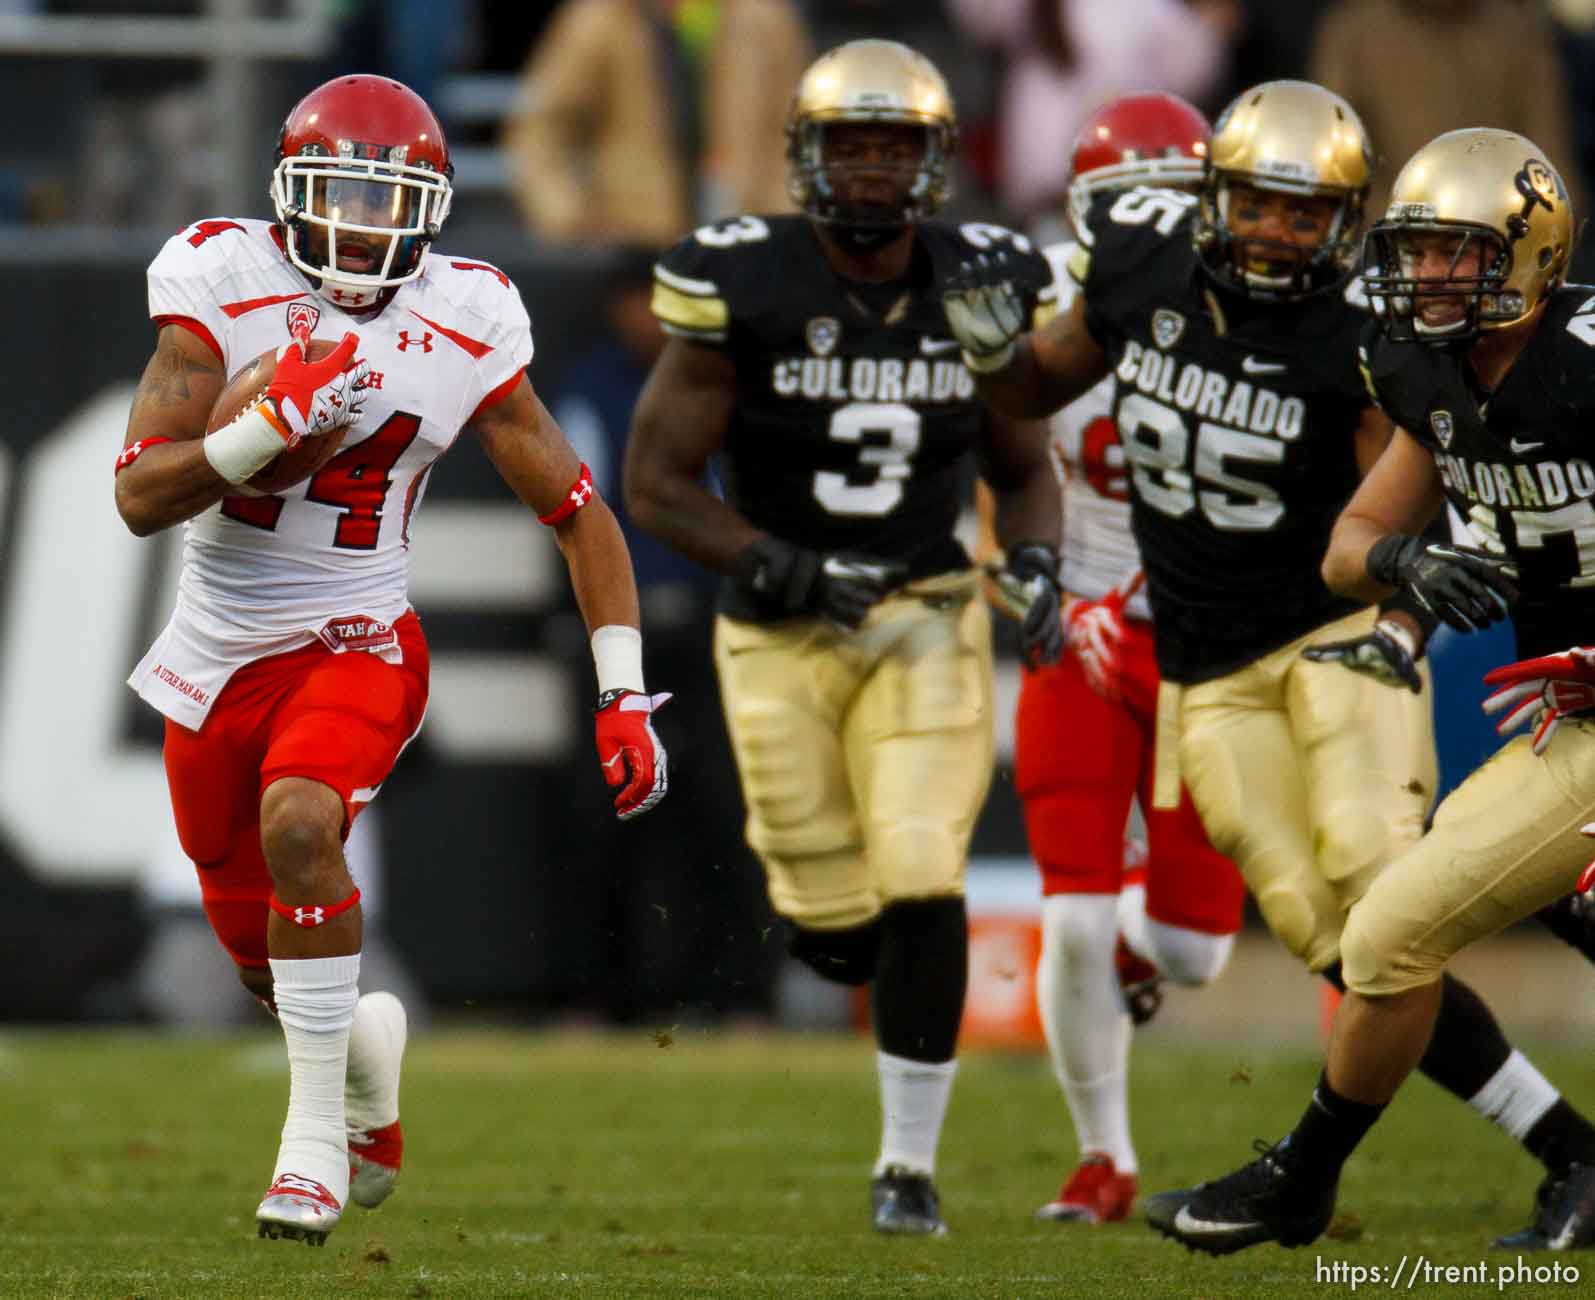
704 1166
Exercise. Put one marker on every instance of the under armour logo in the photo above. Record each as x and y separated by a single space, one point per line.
424 342
309 915
581 492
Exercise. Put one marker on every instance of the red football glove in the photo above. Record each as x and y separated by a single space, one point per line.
1556 686
314 397
1095 630
629 749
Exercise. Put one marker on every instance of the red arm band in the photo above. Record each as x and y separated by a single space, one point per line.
581 492
129 454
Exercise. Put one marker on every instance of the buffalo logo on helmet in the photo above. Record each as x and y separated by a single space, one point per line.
823 333
1540 187
1168 327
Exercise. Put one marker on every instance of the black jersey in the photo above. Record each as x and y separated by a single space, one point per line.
855 421
1518 465
1237 419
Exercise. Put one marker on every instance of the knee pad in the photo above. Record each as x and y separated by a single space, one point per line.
842 956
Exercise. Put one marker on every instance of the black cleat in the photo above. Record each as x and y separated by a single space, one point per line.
1564 1215
904 1203
1267 1200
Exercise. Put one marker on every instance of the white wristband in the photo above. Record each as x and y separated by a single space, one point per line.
991 362
249 443
617 655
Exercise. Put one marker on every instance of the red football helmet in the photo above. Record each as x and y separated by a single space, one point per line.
361 186
1147 139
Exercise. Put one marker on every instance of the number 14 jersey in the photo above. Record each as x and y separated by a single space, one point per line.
1238 422
266 574
855 421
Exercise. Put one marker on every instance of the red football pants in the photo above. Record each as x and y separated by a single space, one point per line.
340 719
1079 759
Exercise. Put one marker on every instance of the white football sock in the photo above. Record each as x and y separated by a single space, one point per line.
315 1005
1188 957
1516 1096
376 1049
914 1098
1131 918
1087 1026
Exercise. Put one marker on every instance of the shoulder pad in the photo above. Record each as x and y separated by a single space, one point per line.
693 279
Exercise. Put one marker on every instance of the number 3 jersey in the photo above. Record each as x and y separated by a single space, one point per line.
1519 464
855 420
1238 420
329 557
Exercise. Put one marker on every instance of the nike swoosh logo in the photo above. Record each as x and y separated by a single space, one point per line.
937 347
1252 366
1522 448
1187 1222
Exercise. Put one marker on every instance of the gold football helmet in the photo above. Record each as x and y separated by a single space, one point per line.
1297 138
1477 235
869 81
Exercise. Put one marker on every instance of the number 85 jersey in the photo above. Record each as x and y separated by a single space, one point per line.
265 574
855 420
1238 420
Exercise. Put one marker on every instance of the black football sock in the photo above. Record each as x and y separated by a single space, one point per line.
1329 1129
920 979
1560 1139
1468 1046
1468 1051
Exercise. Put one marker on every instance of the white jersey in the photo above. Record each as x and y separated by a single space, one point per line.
266 574
1098 550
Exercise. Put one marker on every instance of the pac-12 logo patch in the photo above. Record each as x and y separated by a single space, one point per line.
303 318
1441 423
823 334
1167 327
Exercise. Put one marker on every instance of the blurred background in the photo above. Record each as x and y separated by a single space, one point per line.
586 134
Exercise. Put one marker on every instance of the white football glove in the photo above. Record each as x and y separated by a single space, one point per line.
984 311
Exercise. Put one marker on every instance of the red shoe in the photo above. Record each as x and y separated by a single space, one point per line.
374 1159
1095 1193
1141 981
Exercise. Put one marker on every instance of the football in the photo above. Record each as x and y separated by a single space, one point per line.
291 466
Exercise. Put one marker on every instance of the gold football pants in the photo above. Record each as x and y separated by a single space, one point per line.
864 756
1311 778
1504 844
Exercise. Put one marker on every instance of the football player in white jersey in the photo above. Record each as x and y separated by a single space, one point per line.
1077 796
293 670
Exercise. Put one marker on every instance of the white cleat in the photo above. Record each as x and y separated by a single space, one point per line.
371 1098
298 1209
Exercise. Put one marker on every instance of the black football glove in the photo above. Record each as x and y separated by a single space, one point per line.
985 311
1030 588
840 587
1388 654
1462 586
